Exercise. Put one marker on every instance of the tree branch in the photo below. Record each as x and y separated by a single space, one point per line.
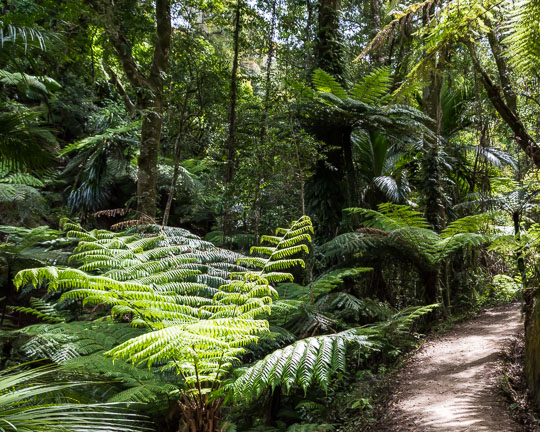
511 118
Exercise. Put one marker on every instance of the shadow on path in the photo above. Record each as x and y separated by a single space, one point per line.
450 384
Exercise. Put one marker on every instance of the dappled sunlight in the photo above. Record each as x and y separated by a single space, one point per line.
450 384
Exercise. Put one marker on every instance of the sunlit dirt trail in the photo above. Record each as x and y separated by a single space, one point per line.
450 384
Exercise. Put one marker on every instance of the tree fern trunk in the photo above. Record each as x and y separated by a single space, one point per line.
432 171
199 416
432 286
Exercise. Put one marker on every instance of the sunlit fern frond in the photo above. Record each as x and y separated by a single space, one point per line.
200 305
307 361
391 216
326 83
372 87
523 40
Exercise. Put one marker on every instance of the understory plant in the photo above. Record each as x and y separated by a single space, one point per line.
198 305
175 314
32 400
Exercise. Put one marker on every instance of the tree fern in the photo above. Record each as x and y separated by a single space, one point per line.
159 282
347 306
41 309
31 401
523 40
391 216
400 322
403 231
315 360
331 280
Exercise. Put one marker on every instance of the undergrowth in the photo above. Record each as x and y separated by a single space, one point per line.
513 385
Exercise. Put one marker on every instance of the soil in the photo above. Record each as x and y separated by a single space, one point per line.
513 384
450 383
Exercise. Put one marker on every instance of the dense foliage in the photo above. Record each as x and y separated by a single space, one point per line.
149 150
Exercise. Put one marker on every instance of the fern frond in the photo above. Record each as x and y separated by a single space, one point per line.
330 281
326 83
391 216
373 86
200 305
307 361
41 309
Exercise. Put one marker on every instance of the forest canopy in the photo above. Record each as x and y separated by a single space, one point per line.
239 215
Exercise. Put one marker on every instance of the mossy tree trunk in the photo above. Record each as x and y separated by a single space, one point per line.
532 343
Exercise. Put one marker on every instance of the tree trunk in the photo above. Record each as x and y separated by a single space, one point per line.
432 286
375 12
231 141
346 145
147 161
325 189
532 343
510 117
177 151
149 90
435 210
268 82
502 67
199 415
328 50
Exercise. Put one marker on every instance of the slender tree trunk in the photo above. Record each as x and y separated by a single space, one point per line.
113 78
298 163
177 152
375 12
435 210
309 34
231 141
268 82
346 145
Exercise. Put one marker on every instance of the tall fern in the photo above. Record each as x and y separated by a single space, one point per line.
402 231
199 305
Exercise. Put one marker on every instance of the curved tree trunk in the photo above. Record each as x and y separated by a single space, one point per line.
503 107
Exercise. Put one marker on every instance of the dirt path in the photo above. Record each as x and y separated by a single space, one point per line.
450 384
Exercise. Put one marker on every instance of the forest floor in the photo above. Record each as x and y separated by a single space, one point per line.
450 383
